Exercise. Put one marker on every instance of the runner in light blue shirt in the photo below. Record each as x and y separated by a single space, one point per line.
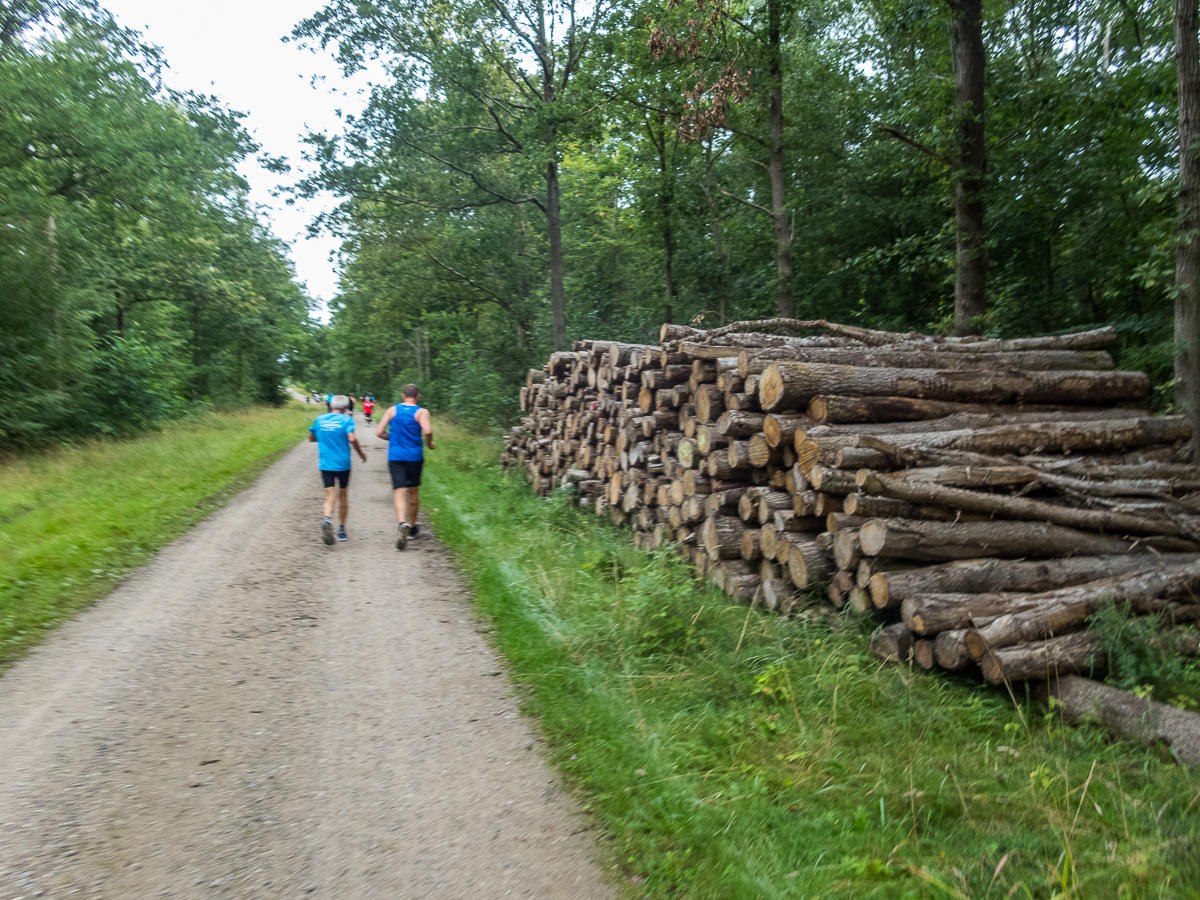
333 434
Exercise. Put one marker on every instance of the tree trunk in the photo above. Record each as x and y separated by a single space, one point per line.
738 424
807 563
783 232
754 362
665 198
891 643
714 218
721 537
1020 508
1060 612
943 541
970 300
558 291
890 589
1187 254
1047 437
792 386
832 409
950 650
1128 716
1044 660
779 428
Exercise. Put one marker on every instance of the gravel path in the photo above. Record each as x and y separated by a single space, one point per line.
256 715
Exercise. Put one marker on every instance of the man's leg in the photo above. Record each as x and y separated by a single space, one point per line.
330 493
343 504
414 504
400 499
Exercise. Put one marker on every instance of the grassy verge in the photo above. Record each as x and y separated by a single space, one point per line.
732 755
74 521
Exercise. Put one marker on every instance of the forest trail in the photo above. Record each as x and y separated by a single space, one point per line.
256 715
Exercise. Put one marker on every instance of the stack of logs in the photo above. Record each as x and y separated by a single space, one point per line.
984 497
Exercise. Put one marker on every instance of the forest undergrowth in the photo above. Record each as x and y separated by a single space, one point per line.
730 754
75 520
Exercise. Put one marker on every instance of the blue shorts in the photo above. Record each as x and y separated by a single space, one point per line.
342 478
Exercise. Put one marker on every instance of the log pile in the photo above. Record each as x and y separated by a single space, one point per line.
984 498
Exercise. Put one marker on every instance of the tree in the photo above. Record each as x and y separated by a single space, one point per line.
505 72
1187 256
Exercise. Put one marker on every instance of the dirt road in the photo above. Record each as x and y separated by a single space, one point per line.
257 715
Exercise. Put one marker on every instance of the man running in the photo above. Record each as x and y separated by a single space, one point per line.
410 422
333 434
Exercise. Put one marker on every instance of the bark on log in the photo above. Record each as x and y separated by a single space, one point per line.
1067 609
847 550
950 650
737 454
1127 715
751 545
806 561
739 424
855 458
835 409
756 361
833 481
1017 508
974 576
869 505
793 386
891 643
722 537
1060 437
787 520
710 402
779 428
934 613
1044 660
944 541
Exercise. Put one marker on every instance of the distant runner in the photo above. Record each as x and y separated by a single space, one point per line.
410 422
368 406
333 434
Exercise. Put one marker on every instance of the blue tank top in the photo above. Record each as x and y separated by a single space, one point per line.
404 434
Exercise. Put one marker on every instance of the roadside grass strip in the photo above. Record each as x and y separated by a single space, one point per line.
729 754
74 521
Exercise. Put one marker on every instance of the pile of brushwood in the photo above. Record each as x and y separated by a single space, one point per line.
983 498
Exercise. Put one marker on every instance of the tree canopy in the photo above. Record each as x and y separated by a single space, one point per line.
727 160
137 280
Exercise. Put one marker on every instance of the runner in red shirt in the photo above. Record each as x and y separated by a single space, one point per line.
368 406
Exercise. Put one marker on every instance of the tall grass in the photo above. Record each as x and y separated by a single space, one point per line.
730 754
74 521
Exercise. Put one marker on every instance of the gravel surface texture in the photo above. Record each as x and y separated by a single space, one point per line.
257 715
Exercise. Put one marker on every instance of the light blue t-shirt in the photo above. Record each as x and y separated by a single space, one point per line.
333 432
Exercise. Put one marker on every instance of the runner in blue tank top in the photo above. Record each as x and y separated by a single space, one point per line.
404 426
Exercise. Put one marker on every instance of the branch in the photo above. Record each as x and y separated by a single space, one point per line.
761 209
900 135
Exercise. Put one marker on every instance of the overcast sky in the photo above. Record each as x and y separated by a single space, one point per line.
234 50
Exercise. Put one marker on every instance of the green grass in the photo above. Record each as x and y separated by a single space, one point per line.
729 754
75 520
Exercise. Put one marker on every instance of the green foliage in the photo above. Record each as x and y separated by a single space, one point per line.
444 222
1137 654
74 521
137 281
729 754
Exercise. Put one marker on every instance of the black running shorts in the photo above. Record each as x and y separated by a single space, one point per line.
405 473
342 478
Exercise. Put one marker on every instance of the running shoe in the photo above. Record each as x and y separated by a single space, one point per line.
414 530
402 535
342 536
327 532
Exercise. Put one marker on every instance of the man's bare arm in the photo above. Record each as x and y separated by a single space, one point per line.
312 438
426 426
381 431
357 446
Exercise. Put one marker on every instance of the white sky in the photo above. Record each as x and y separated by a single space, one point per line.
234 50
